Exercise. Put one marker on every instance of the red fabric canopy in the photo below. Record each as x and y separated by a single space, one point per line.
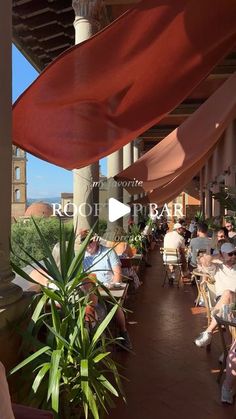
103 93
172 163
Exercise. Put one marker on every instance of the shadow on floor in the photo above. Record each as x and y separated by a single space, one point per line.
169 377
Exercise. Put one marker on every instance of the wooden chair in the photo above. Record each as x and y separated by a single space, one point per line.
206 289
209 295
171 257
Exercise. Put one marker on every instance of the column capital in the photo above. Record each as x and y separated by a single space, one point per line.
138 141
88 9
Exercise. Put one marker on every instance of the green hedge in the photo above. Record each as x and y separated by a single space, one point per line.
24 236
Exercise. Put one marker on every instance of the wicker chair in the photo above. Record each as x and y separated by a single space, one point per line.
171 257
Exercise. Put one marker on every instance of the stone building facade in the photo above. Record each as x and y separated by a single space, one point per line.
18 199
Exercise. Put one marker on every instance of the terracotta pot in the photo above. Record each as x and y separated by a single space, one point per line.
134 250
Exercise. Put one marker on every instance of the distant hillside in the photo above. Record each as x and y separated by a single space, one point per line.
47 200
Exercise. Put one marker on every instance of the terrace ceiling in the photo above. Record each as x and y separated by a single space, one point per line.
43 29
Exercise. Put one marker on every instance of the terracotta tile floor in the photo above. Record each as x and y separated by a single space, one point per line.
169 377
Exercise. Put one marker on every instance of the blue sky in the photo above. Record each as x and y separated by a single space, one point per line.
43 179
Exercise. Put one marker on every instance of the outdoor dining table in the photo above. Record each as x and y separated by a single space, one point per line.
119 293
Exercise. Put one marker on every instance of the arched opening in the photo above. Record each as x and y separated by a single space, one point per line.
17 152
17 195
17 173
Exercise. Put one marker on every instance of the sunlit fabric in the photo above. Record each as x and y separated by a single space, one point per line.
103 93
172 163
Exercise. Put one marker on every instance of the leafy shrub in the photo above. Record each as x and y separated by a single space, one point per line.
102 226
23 236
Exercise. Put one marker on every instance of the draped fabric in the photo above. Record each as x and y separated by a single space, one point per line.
99 95
172 163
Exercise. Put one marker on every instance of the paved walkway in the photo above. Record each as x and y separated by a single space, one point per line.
169 376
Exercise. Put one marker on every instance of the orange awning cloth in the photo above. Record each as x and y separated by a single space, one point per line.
169 191
172 163
101 94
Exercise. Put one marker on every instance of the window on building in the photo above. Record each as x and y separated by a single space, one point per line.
17 195
17 152
17 173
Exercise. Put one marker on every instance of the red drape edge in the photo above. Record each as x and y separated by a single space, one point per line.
172 163
101 94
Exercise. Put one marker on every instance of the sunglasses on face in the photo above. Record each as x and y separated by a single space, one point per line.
221 236
228 225
231 254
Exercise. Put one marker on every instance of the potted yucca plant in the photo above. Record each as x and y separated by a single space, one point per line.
135 238
69 370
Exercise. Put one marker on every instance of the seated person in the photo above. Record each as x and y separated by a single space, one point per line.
193 227
123 250
219 243
227 389
216 240
201 242
175 240
164 226
231 232
107 267
186 233
225 283
94 312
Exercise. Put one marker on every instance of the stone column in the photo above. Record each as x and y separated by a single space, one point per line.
9 293
87 22
127 161
135 150
229 155
136 155
114 166
202 191
208 201
215 204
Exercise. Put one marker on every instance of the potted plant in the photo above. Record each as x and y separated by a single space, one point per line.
70 369
135 238
227 198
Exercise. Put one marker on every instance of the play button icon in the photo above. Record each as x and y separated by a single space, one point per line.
117 209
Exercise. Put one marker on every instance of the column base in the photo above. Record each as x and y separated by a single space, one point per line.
9 294
10 338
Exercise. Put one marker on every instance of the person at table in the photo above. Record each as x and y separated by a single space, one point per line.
94 312
186 233
221 238
230 227
231 232
224 272
106 265
123 250
201 242
164 226
175 240
193 227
